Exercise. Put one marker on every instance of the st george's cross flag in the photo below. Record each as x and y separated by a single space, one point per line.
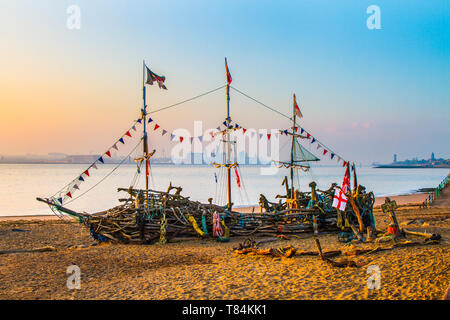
339 200
296 108
152 77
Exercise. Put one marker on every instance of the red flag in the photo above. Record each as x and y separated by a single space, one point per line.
296 108
69 194
156 126
128 133
243 129
108 153
324 151
308 136
346 181
147 168
86 173
238 180
181 139
268 136
228 73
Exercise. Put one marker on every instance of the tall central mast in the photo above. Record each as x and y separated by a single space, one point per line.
144 120
292 149
228 138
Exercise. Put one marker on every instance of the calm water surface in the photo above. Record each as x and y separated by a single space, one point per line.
20 184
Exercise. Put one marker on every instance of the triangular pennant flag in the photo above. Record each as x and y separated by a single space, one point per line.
236 126
268 136
212 134
150 120
200 138
181 139
69 194
318 146
94 166
76 187
308 136
244 130
128 134
344 163
60 200
115 146
81 178
121 140
313 140
301 130
325 151
295 129
332 155
338 158
296 108
192 139
108 153
134 128
260 135
156 127
139 120
224 123
86 173
218 128
164 132
172 136
101 160
229 79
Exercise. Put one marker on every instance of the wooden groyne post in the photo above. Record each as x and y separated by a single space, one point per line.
437 192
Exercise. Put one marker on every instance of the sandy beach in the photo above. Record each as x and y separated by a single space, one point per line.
205 269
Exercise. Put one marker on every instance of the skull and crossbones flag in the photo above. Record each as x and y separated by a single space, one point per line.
153 77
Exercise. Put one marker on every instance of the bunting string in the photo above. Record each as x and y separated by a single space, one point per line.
322 145
106 176
68 191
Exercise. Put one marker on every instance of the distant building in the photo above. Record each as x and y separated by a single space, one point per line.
395 158
81 158
432 156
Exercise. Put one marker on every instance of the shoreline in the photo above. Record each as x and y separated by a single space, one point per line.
405 199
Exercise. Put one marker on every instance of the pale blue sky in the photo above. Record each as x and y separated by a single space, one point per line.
366 93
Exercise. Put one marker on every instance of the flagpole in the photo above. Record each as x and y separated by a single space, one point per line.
144 120
228 140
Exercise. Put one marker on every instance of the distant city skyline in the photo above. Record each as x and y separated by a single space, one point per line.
366 93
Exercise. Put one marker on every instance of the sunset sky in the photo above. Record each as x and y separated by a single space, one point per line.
366 93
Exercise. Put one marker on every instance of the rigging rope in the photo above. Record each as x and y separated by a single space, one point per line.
118 165
282 114
187 100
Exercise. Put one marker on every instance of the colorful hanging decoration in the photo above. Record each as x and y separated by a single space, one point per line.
74 185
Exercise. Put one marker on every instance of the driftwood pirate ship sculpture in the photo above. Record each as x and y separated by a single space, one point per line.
148 216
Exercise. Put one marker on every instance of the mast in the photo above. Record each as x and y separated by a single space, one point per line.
144 133
228 140
292 149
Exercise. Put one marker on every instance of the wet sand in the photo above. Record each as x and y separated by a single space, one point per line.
205 269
